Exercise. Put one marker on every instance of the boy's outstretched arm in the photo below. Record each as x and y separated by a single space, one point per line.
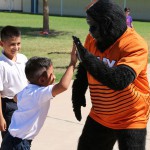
67 77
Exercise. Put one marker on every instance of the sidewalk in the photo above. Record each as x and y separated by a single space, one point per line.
61 130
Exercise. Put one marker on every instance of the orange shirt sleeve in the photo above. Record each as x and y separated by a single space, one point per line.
135 54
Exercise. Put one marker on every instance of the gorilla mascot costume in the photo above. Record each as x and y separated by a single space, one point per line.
113 64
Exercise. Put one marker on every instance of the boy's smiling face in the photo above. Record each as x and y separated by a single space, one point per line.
11 47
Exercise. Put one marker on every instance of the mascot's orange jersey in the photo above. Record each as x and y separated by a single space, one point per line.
130 107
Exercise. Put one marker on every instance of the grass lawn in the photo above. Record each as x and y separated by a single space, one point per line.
58 44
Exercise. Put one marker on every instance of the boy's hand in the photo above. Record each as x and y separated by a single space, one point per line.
73 55
3 125
15 98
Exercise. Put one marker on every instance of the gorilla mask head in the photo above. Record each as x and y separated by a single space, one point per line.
107 22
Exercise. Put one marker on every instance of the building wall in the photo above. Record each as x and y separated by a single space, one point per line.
140 10
54 7
11 5
65 7
27 6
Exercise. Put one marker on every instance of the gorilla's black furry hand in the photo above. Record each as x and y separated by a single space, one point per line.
81 51
79 88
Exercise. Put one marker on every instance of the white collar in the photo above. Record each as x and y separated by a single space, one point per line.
9 60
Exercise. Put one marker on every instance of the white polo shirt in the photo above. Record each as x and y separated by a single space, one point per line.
12 75
33 104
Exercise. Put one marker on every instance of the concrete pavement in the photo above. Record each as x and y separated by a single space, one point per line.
61 130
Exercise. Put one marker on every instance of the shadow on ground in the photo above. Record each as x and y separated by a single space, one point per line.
28 32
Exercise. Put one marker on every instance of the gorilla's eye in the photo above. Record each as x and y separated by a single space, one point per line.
92 28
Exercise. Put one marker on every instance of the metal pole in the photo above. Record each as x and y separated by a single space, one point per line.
125 3
10 5
61 7
34 6
22 5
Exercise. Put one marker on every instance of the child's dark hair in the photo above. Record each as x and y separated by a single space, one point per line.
9 32
126 9
35 67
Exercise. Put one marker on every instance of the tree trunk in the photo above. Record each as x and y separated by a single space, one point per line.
46 29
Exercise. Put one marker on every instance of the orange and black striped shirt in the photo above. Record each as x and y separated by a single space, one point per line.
130 107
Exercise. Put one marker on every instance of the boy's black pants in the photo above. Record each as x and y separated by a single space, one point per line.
8 107
98 137
13 143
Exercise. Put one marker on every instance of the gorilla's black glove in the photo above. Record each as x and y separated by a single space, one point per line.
79 88
81 51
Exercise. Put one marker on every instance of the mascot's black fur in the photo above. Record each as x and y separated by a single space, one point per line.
107 23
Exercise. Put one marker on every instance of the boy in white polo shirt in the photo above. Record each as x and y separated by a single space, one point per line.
34 101
12 75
